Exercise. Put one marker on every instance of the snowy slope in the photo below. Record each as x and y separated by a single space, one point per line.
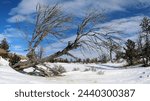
111 75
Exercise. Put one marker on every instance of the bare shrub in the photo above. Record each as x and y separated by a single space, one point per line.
86 69
75 69
93 69
59 68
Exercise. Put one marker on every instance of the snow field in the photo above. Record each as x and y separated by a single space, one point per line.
109 73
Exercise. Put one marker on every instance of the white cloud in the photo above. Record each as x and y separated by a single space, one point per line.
12 33
26 7
16 18
77 7
128 25
17 47
2 37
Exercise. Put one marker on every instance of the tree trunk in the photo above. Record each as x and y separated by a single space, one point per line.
32 63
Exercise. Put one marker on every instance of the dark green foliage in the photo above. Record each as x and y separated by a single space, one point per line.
4 45
119 55
59 60
145 26
130 52
146 53
14 59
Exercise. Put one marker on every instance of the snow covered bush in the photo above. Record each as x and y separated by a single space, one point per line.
100 72
59 68
75 69
90 69
86 69
93 69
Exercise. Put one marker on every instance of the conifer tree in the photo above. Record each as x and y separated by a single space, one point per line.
130 52
4 45
145 26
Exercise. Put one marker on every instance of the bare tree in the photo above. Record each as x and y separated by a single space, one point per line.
52 21
40 52
112 45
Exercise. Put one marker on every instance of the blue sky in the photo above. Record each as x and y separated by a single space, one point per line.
122 15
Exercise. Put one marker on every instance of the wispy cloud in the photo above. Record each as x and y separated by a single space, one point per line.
16 18
26 7
128 27
77 7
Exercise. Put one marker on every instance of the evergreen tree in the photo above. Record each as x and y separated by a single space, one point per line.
130 52
119 55
4 45
145 25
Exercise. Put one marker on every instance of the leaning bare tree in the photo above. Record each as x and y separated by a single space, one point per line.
52 21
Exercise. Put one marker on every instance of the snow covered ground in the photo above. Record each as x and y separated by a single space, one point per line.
109 73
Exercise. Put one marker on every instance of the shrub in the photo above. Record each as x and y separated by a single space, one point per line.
75 69
59 68
4 45
93 69
86 69
14 59
100 72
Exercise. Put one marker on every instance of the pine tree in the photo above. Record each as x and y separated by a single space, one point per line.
4 45
146 53
145 26
130 52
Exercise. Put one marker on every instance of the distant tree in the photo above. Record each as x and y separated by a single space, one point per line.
40 52
70 60
79 60
130 52
112 46
103 58
87 60
66 60
146 53
94 60
4 45
140 48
